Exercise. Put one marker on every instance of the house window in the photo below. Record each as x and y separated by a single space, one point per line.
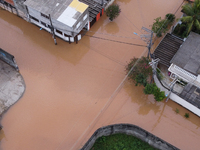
44 24
45 16
59 32
49 26
78 25
84 17
66 35
34 18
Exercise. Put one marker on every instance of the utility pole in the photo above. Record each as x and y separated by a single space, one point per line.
149 46
52 30
149 42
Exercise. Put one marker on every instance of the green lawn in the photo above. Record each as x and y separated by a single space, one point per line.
120 142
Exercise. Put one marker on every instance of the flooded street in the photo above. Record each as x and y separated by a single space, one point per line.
73 89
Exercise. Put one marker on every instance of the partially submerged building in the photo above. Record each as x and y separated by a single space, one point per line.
66 18
182 58
63 18
9 6
186 66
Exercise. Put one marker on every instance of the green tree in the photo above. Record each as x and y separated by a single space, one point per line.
113 11
159 26
141 79
193 15
141 70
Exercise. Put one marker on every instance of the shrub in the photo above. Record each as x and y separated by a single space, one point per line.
187 115
153 89
170 17
159 26
141 70
159 95
113 11
181 30
150 88
141 79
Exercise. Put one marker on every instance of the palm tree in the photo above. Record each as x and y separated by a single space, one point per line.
193 15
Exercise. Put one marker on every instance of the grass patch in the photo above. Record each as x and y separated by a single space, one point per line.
177 110
120 142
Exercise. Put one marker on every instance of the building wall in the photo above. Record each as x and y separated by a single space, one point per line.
45 23
19 4
82 20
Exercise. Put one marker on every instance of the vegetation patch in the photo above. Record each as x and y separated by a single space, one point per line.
120 142
141 69
161 25
181 30
191 20
113 11
187 115
139 72
177 110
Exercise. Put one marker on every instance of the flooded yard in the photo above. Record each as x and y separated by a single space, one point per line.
73 89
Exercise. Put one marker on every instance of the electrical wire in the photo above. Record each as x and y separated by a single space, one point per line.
107 56
131 22
116 41
108 103
112 35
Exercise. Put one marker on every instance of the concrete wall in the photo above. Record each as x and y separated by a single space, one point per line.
129 129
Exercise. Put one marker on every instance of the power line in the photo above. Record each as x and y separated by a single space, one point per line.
113 35
115 41
108 103
106 56
131 22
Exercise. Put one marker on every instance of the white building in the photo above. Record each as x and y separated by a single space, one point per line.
68 17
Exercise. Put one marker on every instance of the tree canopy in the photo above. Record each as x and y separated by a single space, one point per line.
192 17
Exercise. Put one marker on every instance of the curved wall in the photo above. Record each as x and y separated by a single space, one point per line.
129 129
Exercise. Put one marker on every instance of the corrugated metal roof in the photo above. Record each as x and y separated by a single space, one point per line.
167 49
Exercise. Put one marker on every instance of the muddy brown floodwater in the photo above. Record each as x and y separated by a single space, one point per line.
71 89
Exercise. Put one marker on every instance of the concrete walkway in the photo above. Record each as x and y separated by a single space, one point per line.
12 86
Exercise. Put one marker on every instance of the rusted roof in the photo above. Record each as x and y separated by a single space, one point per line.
167 49
94 8
10 2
